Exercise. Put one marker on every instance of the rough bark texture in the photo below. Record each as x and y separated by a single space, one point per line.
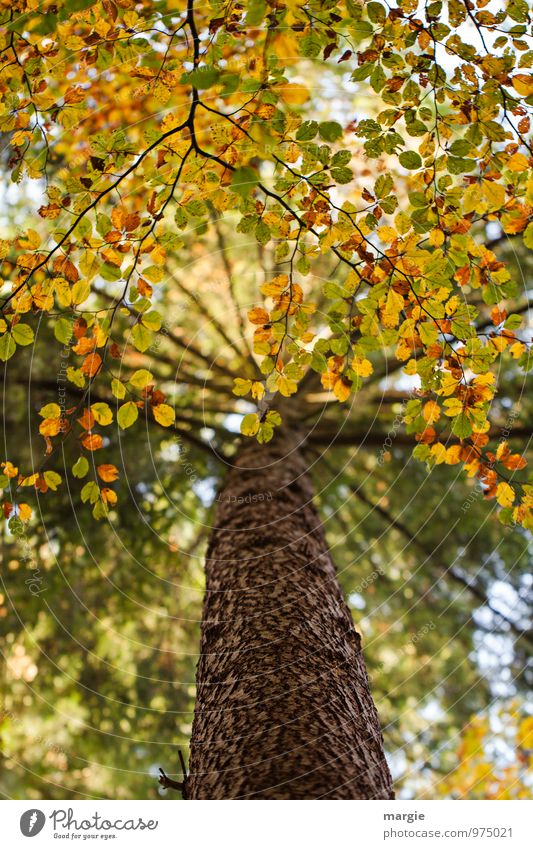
283 708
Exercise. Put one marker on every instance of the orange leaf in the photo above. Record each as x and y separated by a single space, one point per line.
92 441
50 427
64 267
258 316
87 419
107 472
109 496
91 364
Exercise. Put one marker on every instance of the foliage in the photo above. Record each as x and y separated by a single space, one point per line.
214 105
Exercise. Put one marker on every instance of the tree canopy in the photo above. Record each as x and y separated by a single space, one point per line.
226 217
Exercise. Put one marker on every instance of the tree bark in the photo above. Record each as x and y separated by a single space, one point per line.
283 706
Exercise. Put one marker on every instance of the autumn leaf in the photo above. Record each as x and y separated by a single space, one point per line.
102 413
127 415
91 365
258 316
504 494
108 472
92 441
164 414
250 424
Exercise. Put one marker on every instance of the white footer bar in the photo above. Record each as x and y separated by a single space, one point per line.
263 825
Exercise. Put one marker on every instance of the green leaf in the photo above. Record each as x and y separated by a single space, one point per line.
118 389
127 415
310 46
63 330
383 185
330 131
513 322
307 131
102 413
7 347
142 337
461 426
152 320
342 175
201 78
90 492
80 467
410 159
262 232
244 180
139 379
528 236
76 377
52 479
22 334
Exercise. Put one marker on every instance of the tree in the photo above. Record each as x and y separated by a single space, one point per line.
219 238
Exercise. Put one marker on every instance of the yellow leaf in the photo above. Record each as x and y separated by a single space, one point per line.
342 389
431 412
387 234
523 84
241 387
518 162
80 292
50 411
140 379
393 305
438 452
294 93
361 366
10 471
109 496
164 414
453 455
473 199
504 494
25 512
436 238
286 386
102 413
258 390
494 193
275 287
49 427
250 424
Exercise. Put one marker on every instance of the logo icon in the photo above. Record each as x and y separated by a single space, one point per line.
32 822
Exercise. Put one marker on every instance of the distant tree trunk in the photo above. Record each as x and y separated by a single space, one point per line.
283 707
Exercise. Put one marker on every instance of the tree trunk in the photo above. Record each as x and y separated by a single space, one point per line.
283 706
